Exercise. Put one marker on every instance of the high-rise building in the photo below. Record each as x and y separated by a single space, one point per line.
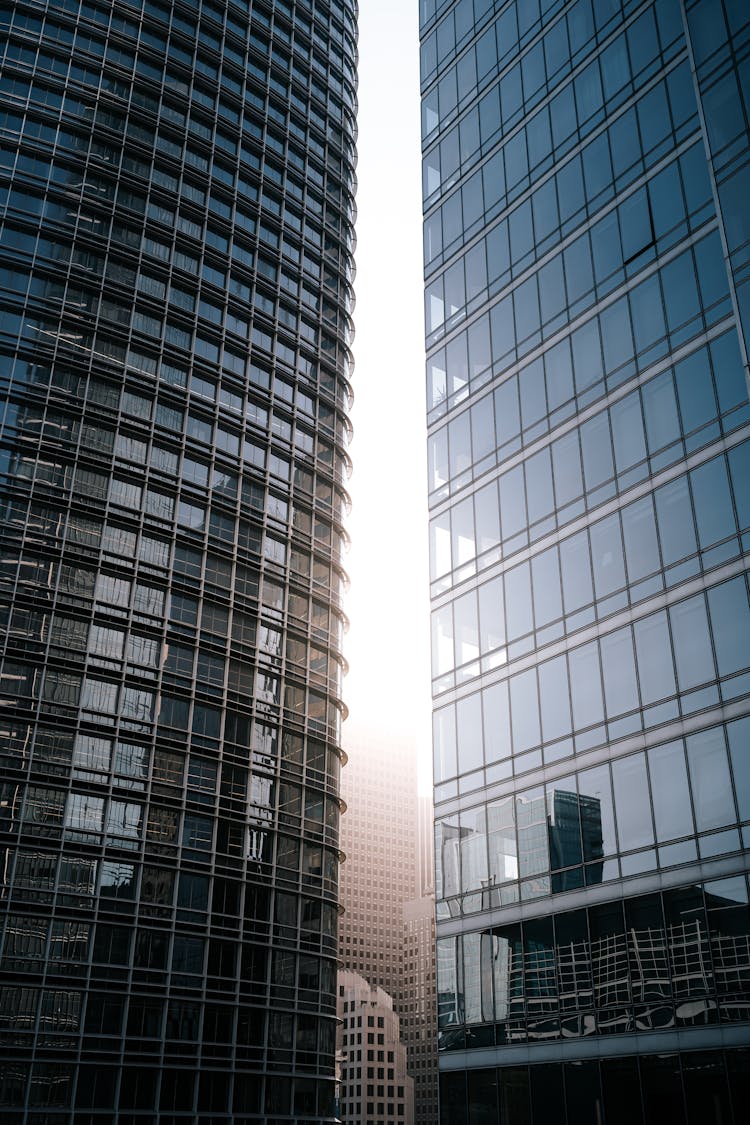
587 240
386 933
375 1086
176 186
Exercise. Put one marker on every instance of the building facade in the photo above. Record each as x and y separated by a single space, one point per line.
587 239
387 929
375 1087
176 200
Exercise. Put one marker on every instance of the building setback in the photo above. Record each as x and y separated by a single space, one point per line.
176 200
376 1089
587 239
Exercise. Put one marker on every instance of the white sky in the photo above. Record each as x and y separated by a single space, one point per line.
388 642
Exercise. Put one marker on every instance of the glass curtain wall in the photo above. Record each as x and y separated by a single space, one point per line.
176 209
586 243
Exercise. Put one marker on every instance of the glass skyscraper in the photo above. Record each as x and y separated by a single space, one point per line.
176 199
587 254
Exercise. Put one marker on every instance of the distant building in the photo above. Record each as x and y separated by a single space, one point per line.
387 930
375 1088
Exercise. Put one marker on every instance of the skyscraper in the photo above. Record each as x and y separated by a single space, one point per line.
176 185
586 186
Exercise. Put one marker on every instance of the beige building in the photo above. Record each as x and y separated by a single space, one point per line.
375 1088
387 931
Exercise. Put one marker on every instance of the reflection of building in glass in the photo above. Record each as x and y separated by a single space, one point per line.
587 313
175 265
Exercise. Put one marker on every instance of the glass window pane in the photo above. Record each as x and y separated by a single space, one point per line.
518 601
524 711
469 729
730 620
641 543
545 578
597 813
618 668
578 588
709 777
713 502
497 744
586 686
739 751
669 791
692 644
607 556
654 652
675 517
491 617
554 694
634 828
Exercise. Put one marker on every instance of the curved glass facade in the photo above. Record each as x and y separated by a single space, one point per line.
586 247
176 197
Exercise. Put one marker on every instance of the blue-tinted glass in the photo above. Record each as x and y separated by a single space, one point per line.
566 467
607 556
497 744
539 495
660 409
665 199
491 616
558 370
507 411
482 430
728 372
587 356
738 734
533 398
713 502
618 672
626 149
469 728
512 502
730 621
692 643
739 468
576 571
680 291
597 451
641 545
570 189
524 709
545 574
634 828
675 517
627 432
578 270
647 313
518 607
554 695
595 788
712 271
654 654
585 684
709 775
732 195
617 336
669 791
444 743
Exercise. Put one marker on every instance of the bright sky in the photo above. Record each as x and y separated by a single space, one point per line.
388 642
